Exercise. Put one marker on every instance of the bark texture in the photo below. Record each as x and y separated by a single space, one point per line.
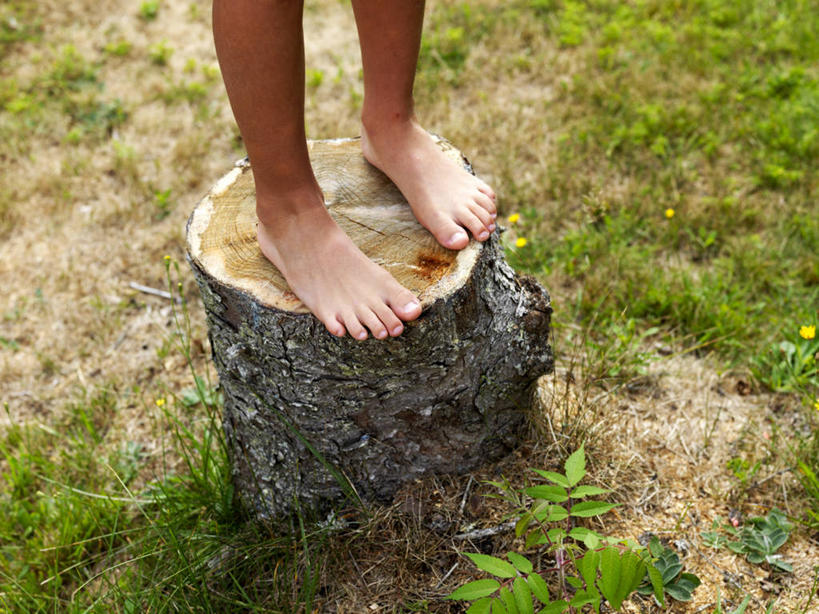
448 395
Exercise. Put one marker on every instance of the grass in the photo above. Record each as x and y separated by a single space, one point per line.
661 157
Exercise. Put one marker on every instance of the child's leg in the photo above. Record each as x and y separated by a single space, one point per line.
444 197
261 53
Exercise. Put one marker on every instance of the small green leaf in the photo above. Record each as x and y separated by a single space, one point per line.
550 513
589 538
656 579
586 509
523 596
508 600
521 562
574 582
481 606
522 524
491 564
538 587
555 494
588 491
556 607
575 466
557 478
475 590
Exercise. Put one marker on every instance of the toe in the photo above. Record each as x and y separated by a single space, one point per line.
353 325
332 323
484 187
474 224
367 317
484 216
388 318
487 203
404 304
448 233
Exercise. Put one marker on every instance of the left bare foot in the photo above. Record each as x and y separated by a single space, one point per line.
445 198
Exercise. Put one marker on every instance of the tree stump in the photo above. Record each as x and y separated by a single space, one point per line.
447 395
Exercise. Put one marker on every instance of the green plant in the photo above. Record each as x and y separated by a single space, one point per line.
160 52
758 539
149 10
676 583
791 365
588 567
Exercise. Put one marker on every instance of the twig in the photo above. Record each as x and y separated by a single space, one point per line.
447 574
466 495
148 290
757 483
488 532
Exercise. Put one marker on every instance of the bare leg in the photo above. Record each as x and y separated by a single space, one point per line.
443 196
261 53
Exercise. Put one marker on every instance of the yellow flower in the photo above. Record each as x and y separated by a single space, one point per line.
520 242
807 332
513 218
669 213
816 405
160 402
167 258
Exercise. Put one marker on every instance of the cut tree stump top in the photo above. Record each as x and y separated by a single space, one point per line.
362 200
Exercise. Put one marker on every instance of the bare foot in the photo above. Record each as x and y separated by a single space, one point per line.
341 286
444 197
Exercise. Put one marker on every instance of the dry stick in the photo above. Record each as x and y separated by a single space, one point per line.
466 494
447 574
153 291
481 533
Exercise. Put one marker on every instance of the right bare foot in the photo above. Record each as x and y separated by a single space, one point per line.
341 286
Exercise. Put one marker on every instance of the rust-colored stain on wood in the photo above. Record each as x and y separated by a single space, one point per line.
431 266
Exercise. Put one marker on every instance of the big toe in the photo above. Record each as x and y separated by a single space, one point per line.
405 305
448 233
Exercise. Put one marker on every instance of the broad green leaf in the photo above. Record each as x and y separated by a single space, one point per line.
587 566
575 466
609 581
586 509
557 478
656 579
582 597
521 562
481 606
475 590
523 596
589 538
632 572
556 607
508 600
588 491
535 538
492 564
538 587
682 589
555 494
499 608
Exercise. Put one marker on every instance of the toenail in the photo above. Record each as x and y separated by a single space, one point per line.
457 237
362 335
397 330
494 215
491 227
411 305
483 235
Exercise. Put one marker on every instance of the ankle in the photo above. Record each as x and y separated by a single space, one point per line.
291 203
375 122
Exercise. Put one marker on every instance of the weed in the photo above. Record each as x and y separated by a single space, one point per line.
149 10
160 52
605 568
758 539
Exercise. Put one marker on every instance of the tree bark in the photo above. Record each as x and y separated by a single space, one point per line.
447 395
